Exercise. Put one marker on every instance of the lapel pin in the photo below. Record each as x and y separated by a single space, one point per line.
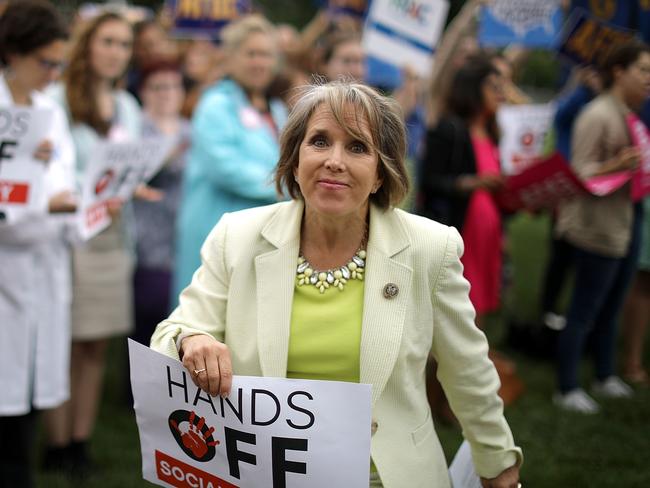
390 290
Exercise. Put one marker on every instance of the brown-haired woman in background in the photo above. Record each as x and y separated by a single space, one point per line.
102 267
343 56
460 169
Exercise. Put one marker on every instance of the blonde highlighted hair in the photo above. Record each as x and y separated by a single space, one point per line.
381 114
236 33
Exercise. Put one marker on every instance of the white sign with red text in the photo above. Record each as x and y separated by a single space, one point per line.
523 132
115 172
22 129
270 432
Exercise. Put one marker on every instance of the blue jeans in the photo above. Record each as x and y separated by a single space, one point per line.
601 284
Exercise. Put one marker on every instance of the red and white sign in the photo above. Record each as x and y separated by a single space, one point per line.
14 192
550 181
269 432
22 129
641 139
116 171
523 132
179 474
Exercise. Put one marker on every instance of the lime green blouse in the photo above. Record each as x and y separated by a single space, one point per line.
325 338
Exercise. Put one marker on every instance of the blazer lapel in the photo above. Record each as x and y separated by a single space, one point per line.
383 317
275 275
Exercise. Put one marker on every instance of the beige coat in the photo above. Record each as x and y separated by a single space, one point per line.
601 225
242 295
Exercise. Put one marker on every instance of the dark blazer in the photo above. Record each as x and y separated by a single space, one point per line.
448 154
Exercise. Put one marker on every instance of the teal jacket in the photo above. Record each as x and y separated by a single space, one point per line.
230 167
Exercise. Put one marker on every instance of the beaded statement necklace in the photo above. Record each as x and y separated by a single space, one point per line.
331 278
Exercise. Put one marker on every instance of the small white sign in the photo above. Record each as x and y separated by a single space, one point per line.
270 432
116 171
22 129
461 471
405 33
523 133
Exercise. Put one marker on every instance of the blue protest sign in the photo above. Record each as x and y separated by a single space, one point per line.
531 23
204 18
586 39
381 74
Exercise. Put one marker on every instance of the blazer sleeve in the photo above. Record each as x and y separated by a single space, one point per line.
225 161
464 370
202 305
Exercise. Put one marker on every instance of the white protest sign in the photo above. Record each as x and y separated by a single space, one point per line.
22 129
462 472
523 131
115 172
270 432
525 15
405 32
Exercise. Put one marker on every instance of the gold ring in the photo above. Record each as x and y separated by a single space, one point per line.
197 371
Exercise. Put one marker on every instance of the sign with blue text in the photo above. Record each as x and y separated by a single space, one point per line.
204 19
531 23
405 32
270 432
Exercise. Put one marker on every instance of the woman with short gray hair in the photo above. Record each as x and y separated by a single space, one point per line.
337 284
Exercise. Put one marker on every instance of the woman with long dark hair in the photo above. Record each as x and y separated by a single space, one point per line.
102 267
459 172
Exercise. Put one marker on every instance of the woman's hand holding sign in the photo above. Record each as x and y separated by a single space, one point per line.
508 478
63 202
208 362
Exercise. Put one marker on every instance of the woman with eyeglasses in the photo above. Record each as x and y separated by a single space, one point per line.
34 251
102 267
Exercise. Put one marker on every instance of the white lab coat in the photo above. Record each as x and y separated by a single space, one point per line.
35 284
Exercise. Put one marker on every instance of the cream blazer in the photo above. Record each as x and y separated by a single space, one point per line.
242 295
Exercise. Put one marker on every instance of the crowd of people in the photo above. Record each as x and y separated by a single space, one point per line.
280 120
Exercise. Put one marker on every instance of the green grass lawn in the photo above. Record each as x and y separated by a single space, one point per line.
611 449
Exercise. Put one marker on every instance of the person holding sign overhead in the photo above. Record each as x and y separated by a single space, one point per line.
235 132
102 266
337 284
34 251
605 231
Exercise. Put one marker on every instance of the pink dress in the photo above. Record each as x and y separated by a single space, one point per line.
482 234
